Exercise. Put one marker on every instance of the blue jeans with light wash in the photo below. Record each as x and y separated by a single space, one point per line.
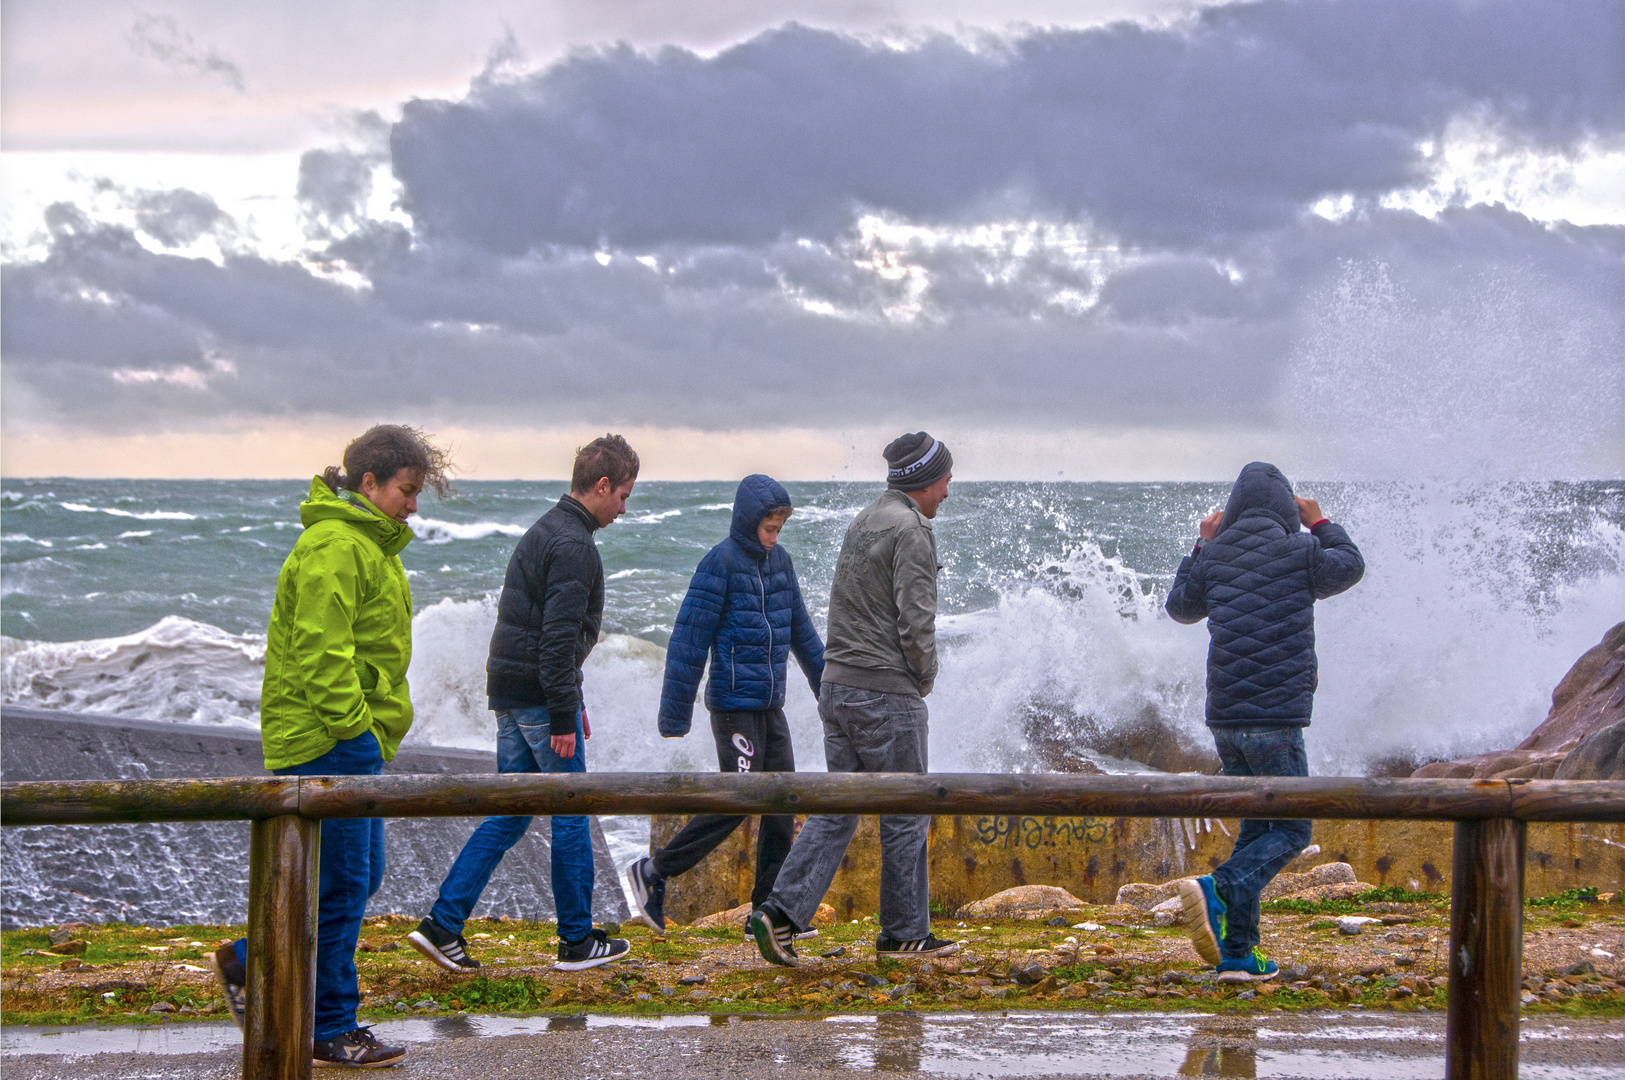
1264 848
351 869
524 745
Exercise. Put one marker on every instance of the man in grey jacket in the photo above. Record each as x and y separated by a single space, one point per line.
880 661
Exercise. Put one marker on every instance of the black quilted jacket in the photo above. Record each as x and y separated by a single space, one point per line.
1256 583
548 617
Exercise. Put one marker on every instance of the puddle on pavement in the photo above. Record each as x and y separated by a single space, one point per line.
972 1044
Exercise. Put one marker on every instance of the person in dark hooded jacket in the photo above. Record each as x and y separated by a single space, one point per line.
745 614
1255 577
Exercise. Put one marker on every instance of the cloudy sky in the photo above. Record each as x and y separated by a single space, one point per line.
1128 239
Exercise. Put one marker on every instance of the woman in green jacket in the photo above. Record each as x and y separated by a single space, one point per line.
334 700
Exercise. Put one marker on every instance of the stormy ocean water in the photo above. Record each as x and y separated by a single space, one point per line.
149 598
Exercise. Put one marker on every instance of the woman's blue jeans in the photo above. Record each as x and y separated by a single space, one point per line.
351 869
524 745
1265 846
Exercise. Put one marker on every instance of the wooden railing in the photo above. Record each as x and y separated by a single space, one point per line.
1486 904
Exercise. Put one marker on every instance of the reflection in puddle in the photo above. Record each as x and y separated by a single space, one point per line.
1221 1047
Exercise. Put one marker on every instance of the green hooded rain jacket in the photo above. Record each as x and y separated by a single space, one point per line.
341 633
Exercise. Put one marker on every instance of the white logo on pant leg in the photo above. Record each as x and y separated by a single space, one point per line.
746 751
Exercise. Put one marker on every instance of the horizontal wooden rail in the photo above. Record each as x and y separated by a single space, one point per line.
119 801
1486 944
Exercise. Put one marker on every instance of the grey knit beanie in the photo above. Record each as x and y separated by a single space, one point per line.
916 461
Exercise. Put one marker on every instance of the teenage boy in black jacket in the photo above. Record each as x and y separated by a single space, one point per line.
548 617
1255 578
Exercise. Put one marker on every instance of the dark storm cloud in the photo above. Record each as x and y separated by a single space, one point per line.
1172 266
161 37
1161 136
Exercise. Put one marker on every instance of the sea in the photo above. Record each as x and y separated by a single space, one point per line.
149 599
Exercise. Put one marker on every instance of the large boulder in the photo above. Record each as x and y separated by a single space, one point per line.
1022 902
1587 705
1338 877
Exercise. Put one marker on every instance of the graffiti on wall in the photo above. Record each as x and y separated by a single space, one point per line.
1036 832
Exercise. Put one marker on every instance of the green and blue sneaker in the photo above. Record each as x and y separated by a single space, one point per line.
1203 916
1255 967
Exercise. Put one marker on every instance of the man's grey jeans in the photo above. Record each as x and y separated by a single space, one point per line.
865 731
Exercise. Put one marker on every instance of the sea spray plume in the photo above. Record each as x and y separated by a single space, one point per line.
1432 398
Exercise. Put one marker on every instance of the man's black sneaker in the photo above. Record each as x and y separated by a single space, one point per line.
648 891
357 1049
229 973
594 949
445 948
929 945
775 937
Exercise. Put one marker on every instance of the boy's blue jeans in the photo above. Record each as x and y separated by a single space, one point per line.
1264 847
351 869
524 745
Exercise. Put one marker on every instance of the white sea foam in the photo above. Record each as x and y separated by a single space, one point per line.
176 669
134 533
651 517
24 538
434 531
149 515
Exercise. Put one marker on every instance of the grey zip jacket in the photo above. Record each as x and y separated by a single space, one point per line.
883 604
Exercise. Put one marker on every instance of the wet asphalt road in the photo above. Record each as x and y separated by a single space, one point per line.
1380 1046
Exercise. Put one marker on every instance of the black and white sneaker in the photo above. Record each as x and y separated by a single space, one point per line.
775 937
648 891
929 945
229 973
445 948
594 949
358 1049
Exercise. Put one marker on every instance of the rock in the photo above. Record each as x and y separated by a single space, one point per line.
1298 971
1173 904
161 1007
691 980
70 948
724 919
1246 995
1077 991
642 997
901 990
1147 897
401 1006
59 935
1334 873
1105 950
1588 708
697 995
1047 985
69 965
1023 901
1583 967
872 980
1351 925
1165 918
839 950
1030 975
1059 920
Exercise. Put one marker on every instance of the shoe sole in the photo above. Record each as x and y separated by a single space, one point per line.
388 1063
225 991
583 965
1244 977
1193 913
426 947
946 950
762 930
640 897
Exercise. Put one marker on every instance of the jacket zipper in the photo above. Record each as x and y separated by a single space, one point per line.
771 680
733 670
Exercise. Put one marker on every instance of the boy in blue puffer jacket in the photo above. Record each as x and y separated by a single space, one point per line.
1255 578
744 610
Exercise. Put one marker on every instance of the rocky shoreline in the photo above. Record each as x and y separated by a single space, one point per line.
1334 953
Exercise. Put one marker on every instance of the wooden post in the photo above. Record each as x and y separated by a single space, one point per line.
279 1029
1486 950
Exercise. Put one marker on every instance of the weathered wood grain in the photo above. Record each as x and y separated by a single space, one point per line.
1486 951
283 875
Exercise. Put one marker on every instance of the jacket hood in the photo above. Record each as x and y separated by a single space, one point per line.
757 495
1262 488
326 505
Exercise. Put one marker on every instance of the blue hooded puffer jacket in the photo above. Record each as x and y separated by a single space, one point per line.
1256 583
744 608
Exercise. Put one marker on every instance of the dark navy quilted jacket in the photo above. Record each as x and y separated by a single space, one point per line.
1256 583
744 609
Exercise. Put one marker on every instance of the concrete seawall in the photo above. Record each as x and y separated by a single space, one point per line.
975 857
197 872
